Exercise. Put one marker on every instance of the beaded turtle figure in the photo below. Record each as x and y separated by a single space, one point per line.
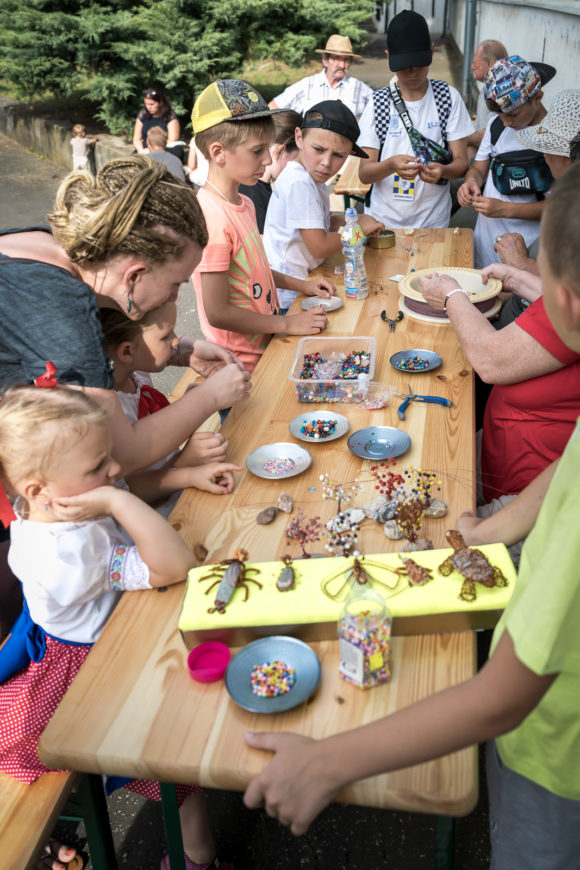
472 564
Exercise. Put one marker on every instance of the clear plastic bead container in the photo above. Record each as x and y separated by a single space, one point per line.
364 634
343 389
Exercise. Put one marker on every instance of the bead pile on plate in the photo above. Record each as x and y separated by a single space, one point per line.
413 364
317 429
271 679
279 465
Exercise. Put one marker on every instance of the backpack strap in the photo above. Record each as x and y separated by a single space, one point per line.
382 114
442 97
496 129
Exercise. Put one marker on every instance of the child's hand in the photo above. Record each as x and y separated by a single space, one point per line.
490 207
229 385
318 287
216 477
295 786
467 524
85 506
370 225
467 193
405 166
307 323
204 447
431 173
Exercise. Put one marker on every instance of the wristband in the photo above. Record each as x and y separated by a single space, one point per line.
450 294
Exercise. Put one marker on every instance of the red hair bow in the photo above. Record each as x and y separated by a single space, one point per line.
48 379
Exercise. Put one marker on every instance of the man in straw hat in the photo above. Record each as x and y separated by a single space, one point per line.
332 83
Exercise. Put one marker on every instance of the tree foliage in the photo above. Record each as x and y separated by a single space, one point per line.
178 45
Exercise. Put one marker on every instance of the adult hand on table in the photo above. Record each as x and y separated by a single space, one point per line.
230 385
296 785
511 248
519 281
435 288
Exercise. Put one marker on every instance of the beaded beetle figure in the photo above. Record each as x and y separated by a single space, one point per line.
229 575
472 564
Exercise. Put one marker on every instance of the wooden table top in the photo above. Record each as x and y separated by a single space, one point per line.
349 181
133 709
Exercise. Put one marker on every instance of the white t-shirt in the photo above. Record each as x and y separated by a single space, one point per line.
130 405
486 229
314 89
72 574
297 203
399 202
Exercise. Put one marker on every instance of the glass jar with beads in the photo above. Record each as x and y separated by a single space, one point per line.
364 633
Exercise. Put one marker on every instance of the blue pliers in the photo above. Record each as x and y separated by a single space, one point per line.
413 397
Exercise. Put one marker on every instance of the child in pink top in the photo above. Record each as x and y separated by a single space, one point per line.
235 288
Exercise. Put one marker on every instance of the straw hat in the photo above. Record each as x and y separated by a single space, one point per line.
337 44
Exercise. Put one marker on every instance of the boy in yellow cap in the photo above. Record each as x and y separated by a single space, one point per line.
235 287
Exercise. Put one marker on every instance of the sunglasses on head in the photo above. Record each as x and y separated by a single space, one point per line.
152 93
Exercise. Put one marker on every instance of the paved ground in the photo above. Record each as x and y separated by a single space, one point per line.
343 838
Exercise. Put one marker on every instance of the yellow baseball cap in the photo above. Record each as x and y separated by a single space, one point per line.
228 100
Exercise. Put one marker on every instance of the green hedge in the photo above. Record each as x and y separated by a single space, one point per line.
53 46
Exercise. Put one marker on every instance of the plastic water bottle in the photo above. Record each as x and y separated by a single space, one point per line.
355 276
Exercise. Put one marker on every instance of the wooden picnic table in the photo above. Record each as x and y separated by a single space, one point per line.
133 709
349 184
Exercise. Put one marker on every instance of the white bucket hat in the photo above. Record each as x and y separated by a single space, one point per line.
561 125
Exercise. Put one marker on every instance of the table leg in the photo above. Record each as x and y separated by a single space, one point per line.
89 805
172 825
444 842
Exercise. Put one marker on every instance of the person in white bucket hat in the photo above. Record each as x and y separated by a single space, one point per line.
558 135
332 83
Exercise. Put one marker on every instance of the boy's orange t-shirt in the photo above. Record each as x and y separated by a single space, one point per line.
235 246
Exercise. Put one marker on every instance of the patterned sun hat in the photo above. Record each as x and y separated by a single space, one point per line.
511 82
228 100
558 129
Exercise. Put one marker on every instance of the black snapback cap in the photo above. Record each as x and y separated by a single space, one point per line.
333 115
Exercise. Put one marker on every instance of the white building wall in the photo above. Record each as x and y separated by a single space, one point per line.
547 32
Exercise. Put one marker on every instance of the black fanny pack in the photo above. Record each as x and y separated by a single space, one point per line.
516 172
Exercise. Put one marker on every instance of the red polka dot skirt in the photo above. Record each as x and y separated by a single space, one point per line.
27 702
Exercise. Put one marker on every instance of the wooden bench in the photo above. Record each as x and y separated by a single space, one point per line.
28 814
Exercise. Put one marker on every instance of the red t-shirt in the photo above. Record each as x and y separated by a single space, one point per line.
527 425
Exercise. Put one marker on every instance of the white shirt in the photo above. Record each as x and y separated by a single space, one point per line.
297 203
486 229
400 203
314 89
72 574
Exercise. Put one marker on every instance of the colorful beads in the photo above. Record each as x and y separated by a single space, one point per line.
279 465
345 367
317 429
413 364
364 640
271 679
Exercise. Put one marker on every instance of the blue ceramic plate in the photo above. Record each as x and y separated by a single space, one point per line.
398 360
379 442
295 653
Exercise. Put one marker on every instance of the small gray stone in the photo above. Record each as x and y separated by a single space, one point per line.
356 515
373 506
387 512
393 531
436 509
266 516
285 503
419 544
